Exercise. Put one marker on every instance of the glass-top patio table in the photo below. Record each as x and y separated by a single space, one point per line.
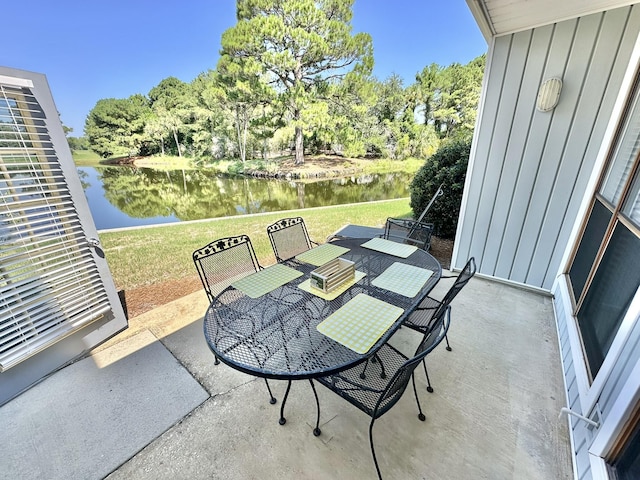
276 335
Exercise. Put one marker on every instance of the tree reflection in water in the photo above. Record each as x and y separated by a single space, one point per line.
197 194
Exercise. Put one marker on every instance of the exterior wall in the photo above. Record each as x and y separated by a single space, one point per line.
581 437
627 359
529 170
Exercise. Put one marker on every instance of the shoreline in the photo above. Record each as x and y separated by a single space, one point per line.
283 168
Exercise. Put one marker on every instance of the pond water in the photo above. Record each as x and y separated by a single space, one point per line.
127 197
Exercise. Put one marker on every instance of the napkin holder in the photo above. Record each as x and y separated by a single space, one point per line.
332 274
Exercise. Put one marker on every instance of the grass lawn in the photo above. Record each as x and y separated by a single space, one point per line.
86 158
149 255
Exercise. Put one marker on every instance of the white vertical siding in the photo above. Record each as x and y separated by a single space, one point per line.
581 436
530 169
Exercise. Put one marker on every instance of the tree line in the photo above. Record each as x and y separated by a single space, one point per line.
292 78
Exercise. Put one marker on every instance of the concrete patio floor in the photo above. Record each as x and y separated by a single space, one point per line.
150 404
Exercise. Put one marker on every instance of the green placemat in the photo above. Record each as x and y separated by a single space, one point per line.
264 281
360 323
306 286
320 255
392 248
403 279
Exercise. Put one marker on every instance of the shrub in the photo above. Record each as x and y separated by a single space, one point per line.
446 167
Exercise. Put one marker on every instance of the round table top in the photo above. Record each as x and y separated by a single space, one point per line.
275 335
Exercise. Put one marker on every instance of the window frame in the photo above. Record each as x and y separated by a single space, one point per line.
77 343
631 97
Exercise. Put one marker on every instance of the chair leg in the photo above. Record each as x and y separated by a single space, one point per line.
283 420
272 399
446 339
374 359
366 364
383 373
216 360
373 452
316 431
415 392
429 387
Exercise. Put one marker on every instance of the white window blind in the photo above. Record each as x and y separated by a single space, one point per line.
624 157
632 204
49 282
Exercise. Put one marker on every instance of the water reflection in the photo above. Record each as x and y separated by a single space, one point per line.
122 196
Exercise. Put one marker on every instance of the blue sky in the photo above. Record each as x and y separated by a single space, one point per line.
91 50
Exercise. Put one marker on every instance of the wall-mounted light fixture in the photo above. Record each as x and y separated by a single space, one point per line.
549 94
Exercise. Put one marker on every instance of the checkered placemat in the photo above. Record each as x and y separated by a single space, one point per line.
392 248
333 294
403 279
264 281
320 255
360 323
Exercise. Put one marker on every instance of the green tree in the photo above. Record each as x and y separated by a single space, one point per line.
391 111
115 127
243 91
78 143
173 103
422 94
447 98
212 130
352 122
155 129
301 45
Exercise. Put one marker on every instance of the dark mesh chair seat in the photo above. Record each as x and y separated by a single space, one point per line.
411 232
387 378
289 237
422 317
365 392
222 262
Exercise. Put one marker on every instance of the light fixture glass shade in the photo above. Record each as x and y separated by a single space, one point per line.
549 94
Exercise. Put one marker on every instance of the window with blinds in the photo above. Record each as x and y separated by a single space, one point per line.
49 282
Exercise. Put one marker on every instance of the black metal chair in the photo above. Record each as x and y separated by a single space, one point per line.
423 316
381 389
289 237
411 232
222 262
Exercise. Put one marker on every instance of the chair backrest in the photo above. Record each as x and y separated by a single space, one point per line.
398 384
412 232
223 261
467 272
288 238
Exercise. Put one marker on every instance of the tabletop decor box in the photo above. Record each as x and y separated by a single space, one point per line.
332 274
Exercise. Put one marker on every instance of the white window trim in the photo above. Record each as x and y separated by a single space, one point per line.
599 469
590 392
16 81
617 419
